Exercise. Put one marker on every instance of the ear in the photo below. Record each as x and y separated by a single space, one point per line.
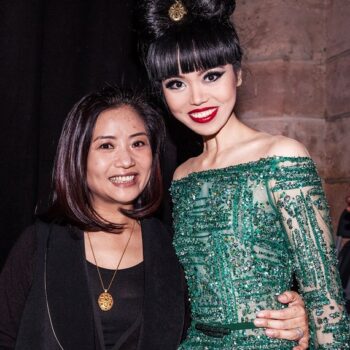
239 78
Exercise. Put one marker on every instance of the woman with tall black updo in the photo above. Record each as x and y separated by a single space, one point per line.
249 211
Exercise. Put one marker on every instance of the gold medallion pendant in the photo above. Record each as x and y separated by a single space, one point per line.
105 301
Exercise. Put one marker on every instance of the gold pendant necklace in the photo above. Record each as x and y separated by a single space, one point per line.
105 300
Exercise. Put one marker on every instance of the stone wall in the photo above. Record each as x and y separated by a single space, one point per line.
337 143
297 80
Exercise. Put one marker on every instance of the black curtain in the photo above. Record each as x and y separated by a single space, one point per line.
51 54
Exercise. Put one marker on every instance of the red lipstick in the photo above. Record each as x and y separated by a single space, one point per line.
203 115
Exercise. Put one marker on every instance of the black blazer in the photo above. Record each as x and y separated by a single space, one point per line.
59 312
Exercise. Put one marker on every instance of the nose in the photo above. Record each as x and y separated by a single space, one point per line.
124 159
198 95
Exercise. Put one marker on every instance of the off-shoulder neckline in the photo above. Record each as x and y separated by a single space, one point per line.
244 165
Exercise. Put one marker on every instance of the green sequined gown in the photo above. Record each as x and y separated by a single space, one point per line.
241 233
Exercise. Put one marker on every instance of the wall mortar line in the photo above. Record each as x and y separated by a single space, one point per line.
335 117
338 55
334 180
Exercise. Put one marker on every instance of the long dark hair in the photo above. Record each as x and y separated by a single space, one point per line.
204 38
71 196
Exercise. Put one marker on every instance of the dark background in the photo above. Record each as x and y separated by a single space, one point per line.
51 54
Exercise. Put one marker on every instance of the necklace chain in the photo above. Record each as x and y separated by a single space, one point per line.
120 260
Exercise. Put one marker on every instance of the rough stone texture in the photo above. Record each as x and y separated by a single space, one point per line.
297 80
291 88
337 148
337 143
338 17
338 85
335 193
290 29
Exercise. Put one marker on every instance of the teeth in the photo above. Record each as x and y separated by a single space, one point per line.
122 179
202 114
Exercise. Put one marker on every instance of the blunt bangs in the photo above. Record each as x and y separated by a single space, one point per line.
192 47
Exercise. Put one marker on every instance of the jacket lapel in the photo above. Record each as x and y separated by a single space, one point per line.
68 294
163 310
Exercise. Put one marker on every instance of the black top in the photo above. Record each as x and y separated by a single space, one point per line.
127 292
47 301
117 324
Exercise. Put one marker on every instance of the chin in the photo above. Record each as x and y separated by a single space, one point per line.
126 201
207 132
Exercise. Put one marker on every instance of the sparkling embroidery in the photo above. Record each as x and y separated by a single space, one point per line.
241 233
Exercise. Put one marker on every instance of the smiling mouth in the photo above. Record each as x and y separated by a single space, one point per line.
203 115
122 179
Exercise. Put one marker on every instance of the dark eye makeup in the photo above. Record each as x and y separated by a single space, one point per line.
174 84
210 76
213 75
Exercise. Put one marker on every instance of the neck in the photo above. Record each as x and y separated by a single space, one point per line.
231 134
114 215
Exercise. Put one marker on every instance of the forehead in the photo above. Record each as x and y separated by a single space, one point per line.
121 118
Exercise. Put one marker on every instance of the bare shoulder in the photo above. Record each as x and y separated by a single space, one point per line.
286 147
183 170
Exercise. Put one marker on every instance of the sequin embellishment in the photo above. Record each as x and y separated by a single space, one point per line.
241 233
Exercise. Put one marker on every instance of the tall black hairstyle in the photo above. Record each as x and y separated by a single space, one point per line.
203 38
71 196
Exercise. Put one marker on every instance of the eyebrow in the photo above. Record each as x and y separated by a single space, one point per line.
141 133
111 137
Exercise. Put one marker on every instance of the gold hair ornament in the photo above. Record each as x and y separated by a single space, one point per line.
177 11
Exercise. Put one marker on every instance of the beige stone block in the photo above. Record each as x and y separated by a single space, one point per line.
282 88
337 149
274 29
338 27
336 193
338 85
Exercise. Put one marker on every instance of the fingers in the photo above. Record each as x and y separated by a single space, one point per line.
283 334
290 297
273 324
291 334
290 323
300 347
304 341
286 329
289 313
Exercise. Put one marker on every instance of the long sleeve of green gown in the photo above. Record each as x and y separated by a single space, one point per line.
298 198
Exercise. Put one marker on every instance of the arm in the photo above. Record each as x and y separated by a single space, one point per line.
290 323
299 200
15 282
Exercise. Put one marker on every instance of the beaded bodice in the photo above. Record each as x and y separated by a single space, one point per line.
241 233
